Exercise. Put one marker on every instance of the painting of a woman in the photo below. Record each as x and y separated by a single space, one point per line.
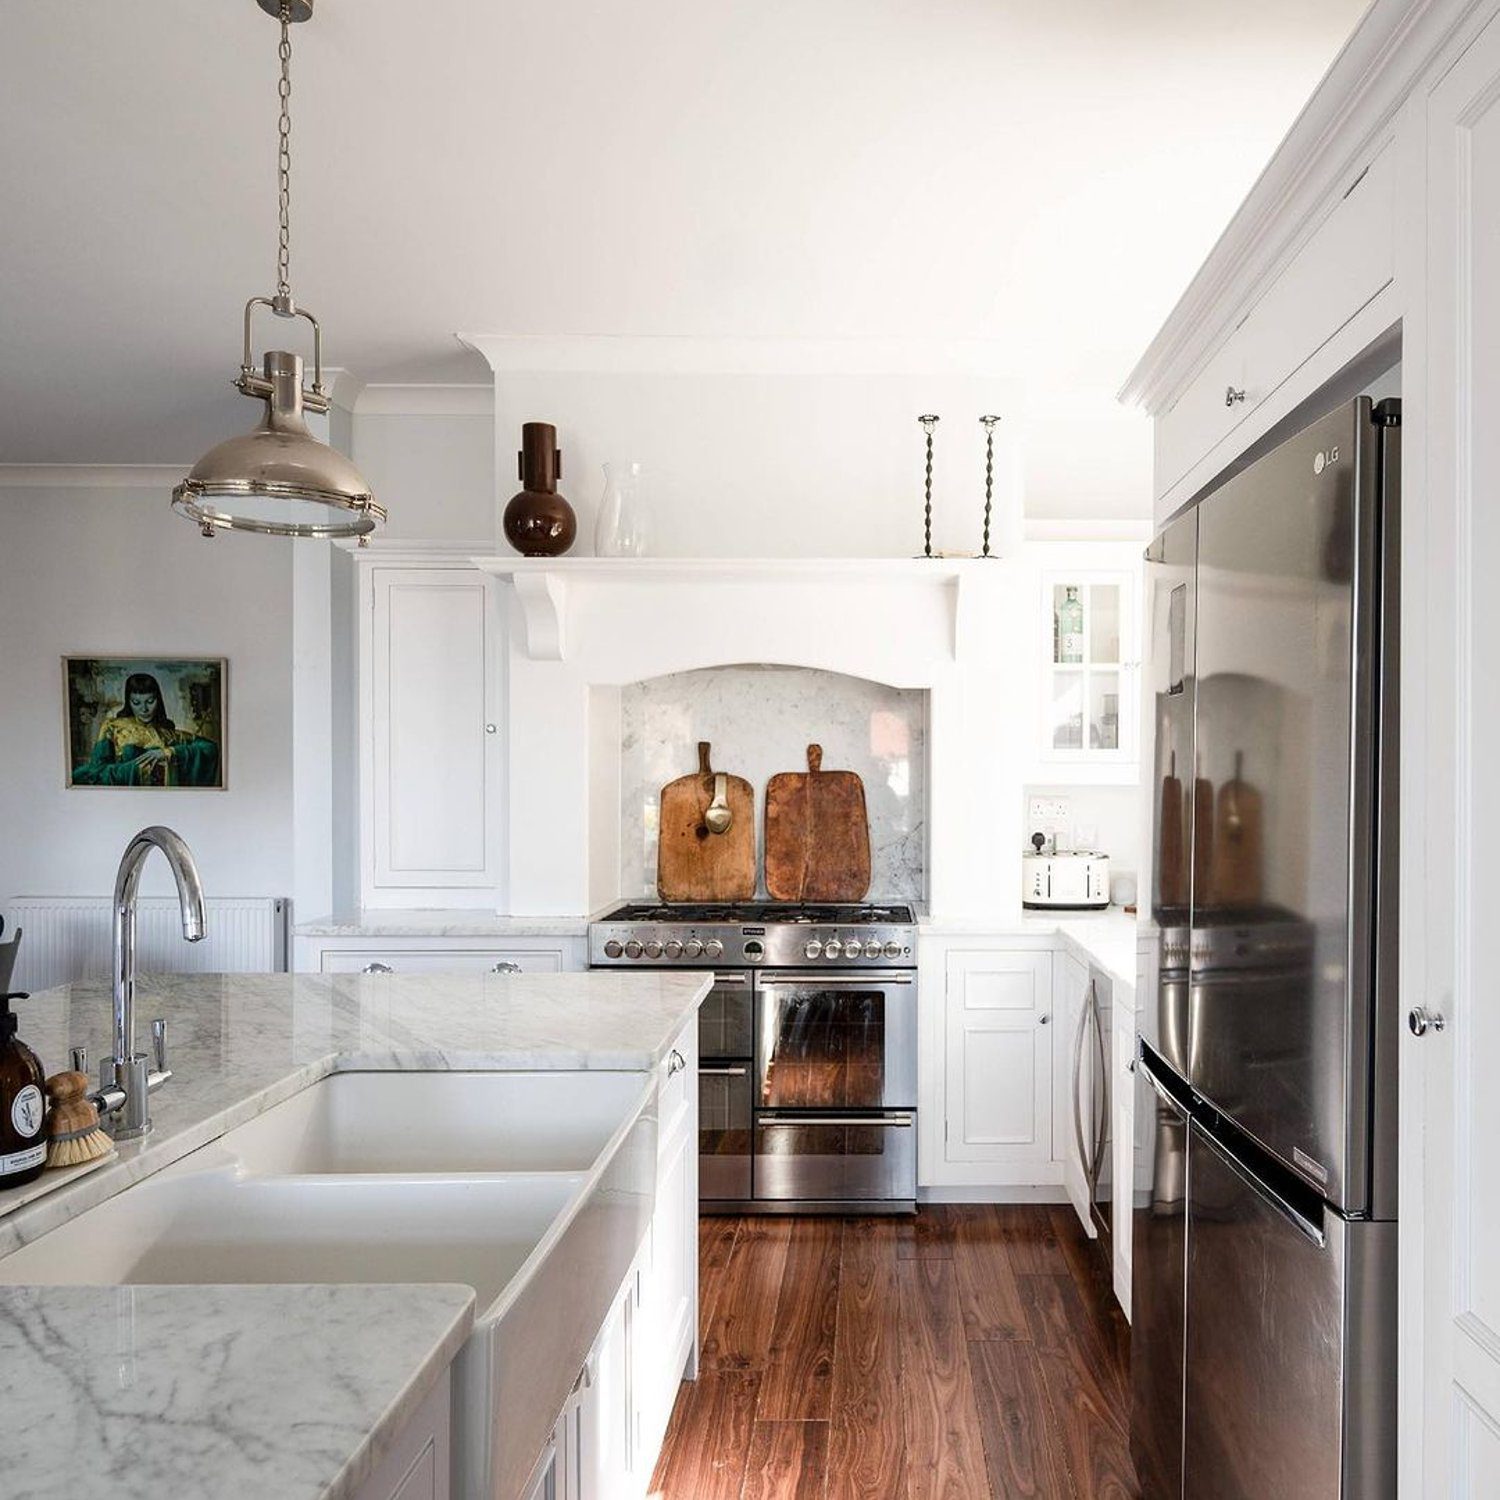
140 744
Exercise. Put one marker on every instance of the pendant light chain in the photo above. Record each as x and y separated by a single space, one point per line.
284 162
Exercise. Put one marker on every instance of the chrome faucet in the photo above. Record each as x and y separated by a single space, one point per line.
126 1080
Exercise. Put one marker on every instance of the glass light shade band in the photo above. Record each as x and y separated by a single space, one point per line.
191 498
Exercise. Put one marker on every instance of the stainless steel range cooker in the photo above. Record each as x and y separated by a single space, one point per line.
807 1048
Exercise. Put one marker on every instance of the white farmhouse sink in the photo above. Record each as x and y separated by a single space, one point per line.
441 1122
535 1189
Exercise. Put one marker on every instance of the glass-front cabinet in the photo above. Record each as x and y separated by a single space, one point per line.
1089 707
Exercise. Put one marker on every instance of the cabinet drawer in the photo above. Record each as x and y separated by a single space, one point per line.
441 961
1347 260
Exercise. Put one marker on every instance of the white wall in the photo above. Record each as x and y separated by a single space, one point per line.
109 572
433 471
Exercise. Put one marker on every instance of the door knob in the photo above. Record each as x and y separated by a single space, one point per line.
1421 1021
1043 1019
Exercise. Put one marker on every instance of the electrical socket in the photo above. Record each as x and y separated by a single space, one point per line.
1047 812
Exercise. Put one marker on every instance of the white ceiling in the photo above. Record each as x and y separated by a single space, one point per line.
1048 174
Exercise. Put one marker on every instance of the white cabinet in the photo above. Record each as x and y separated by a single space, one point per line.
1088 683
994 1092
430 741
417 1465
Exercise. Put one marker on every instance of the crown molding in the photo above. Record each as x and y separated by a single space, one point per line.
92 476
450 400
1351 113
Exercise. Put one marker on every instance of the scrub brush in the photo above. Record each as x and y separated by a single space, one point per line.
74 1134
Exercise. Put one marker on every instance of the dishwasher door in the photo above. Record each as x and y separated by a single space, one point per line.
1158 1292
1291 1336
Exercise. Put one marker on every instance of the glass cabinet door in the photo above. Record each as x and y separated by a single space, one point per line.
1086 689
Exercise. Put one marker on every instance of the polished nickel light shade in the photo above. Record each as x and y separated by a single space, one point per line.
279 480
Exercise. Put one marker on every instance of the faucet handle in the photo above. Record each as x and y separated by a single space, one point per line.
159 1043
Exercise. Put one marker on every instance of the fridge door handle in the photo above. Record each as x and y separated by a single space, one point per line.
1265 1192
1101 1124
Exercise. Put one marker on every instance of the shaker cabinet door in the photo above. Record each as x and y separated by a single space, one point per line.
431 740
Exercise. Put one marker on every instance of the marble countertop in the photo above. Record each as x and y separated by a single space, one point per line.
435 922
194 1393
1107 939
239 1043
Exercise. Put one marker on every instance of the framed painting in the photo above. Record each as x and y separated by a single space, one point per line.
139 721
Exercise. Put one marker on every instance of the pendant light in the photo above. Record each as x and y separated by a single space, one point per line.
279 480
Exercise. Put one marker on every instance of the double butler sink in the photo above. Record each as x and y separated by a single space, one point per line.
533 1188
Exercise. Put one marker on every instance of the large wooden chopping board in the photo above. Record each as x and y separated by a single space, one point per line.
817 834
693 864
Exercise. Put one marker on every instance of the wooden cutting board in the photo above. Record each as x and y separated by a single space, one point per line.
817 834
693 864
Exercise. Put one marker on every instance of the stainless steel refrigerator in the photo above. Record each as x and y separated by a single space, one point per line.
1264 1205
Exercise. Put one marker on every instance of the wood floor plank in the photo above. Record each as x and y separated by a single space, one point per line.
1093 1275
866 1435
1023 1453
1031 1240
798 1383
788 1461
987 1288
707 1456
928 1234
716 1240
738 1334
1085 1390
944 1446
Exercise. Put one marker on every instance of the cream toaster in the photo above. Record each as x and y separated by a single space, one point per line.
1079 880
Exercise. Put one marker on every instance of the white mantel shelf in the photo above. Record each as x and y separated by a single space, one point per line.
543 584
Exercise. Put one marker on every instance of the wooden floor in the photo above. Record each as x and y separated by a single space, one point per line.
973 1353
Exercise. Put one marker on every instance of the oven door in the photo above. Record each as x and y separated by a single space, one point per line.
726 1025
833 1158
835 1041
724 1142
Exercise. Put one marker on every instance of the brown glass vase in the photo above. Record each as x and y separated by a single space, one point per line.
538 522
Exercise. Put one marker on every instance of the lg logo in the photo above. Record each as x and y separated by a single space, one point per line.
1322 460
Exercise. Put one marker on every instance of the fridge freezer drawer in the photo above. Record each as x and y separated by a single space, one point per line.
836 1157
1290 1350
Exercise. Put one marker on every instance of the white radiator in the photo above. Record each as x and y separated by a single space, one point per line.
68 938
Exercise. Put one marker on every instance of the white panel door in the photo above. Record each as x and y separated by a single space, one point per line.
1451 725
998 1078
434 737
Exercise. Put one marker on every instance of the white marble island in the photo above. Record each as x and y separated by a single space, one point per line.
241 1048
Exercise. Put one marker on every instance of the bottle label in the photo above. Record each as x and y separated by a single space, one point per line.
23 1161
27 1111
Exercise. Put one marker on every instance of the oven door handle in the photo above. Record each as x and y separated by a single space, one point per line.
815 982
882 1121
722 1072
731 982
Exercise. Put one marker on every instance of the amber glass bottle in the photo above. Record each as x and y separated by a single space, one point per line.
23 1105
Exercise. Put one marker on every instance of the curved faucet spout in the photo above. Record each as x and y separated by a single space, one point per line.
129 1066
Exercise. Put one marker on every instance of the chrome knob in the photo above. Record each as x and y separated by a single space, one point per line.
1043 1019
505 966
653 948
1421 1021
853 948
812 948
673 948
892 950
692 948
676 1062
713 948
1233 395
613 948
833 948
377 968
633 949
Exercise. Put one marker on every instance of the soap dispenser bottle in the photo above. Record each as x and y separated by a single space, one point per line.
23 1107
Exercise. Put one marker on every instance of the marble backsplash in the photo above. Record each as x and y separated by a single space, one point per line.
760 720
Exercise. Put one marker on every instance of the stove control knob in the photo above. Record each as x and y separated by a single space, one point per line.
833 948
632 949
893 950
713 948
853 948
692 948
872 949
613 948
812 948
673 948
653 949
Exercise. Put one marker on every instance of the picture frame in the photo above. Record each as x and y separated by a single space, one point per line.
145 722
